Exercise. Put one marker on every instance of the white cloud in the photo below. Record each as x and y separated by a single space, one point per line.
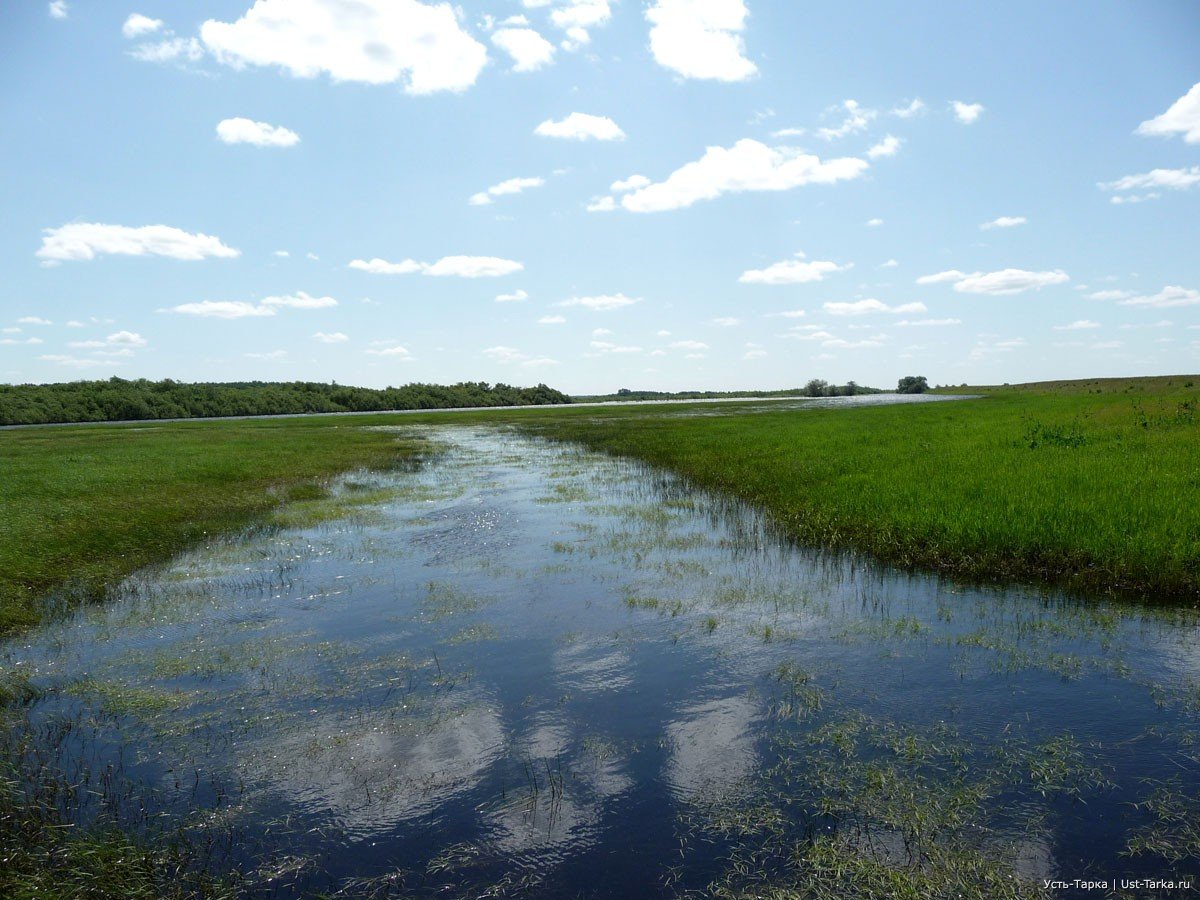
241 309
552 320
746 166
866 343
126 340
700 38
1078 325
473 267
282 254
726 321
260 134
81 240
1109 295
789 132
137 25
1174 179
874 223
368 41
379 266
608 347
1133 198
601 303
601 332
74 363
576 17
914 108
510 186
169 50
1169 296
887 147
754 354
1004 222
1183 117
510 355
857 119
269 355
57 10
335 337
863 307
581 127
890 264
792 271
632 183
222 309
389 348
688 345
1005 281
528 49
602 204
515 297
461 266
966 112
927 323
34 320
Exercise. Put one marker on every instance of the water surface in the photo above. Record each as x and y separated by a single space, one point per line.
525 669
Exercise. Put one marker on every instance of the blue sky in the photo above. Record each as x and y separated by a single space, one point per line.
671 194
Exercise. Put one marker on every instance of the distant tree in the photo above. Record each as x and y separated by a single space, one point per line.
913 384
817 388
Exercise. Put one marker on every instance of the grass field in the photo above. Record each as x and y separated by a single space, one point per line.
1091 485
80 507
1088 484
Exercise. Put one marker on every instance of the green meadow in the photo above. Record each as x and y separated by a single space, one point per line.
1089 485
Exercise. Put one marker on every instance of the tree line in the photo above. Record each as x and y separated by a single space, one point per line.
119 399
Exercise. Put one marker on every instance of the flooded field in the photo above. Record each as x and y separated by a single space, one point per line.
525 669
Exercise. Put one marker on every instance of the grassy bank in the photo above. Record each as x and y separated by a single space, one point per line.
81 507
1091 485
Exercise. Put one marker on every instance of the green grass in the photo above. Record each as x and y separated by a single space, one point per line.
82 507
1091 485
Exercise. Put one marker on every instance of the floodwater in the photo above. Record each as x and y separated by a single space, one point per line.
523 669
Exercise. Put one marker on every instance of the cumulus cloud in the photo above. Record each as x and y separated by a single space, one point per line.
138 25
370 41
857 119
927 323
1169 296
1108 295
601 303
632 183
915 107
122 340
83 240
746 166
1182 117
58 10
241 309
889 146
1171 179
552 320
510 186
966 113
528 49
863 307
335 337
576 17
792 271
260 134
515 297
581 127
169 50
389 349
609 347
1003 222
1005 281
601 204
460 266
688 345
700 38
874 223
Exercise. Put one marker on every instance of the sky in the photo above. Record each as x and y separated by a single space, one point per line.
599 194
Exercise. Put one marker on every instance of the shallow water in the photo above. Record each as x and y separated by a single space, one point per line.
525 668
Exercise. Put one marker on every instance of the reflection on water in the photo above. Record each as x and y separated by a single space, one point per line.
525 667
